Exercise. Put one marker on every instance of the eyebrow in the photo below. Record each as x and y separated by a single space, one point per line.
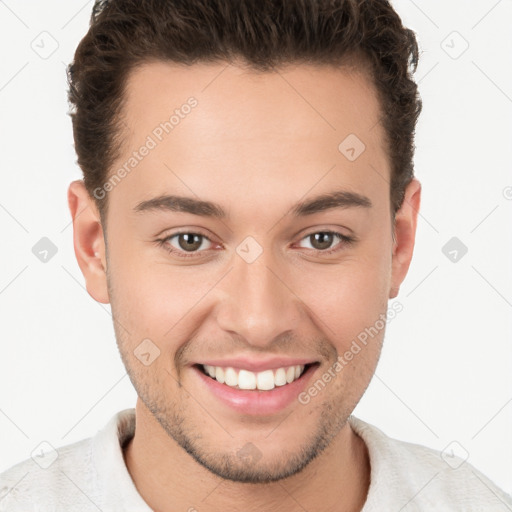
329 201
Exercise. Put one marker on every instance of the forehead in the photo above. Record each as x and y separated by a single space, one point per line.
289 128
305 99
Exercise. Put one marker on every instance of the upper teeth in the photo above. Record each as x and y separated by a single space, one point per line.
245 379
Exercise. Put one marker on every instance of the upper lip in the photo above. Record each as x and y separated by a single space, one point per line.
255 365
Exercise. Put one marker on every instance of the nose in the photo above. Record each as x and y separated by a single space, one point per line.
257 302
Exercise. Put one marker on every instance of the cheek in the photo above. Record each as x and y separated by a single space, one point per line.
152 299
348 297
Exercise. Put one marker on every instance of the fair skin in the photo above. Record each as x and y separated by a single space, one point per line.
255 147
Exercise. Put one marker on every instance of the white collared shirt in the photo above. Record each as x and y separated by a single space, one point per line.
91 475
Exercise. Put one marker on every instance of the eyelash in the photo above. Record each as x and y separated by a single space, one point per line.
163 242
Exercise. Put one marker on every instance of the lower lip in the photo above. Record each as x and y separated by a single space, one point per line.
257 402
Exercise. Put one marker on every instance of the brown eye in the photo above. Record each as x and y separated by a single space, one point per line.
185 242
321 241
189 241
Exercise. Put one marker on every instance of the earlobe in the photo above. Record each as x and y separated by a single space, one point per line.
405 235
88 241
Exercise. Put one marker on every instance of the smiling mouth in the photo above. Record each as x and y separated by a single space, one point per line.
263 381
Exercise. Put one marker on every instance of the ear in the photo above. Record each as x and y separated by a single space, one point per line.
88 241
405 234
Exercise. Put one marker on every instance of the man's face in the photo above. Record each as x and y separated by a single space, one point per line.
263 286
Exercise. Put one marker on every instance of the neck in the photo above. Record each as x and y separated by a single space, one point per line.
168 478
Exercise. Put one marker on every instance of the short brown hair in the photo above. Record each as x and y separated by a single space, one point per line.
262 34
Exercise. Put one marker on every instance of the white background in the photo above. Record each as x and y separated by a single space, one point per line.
445 372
